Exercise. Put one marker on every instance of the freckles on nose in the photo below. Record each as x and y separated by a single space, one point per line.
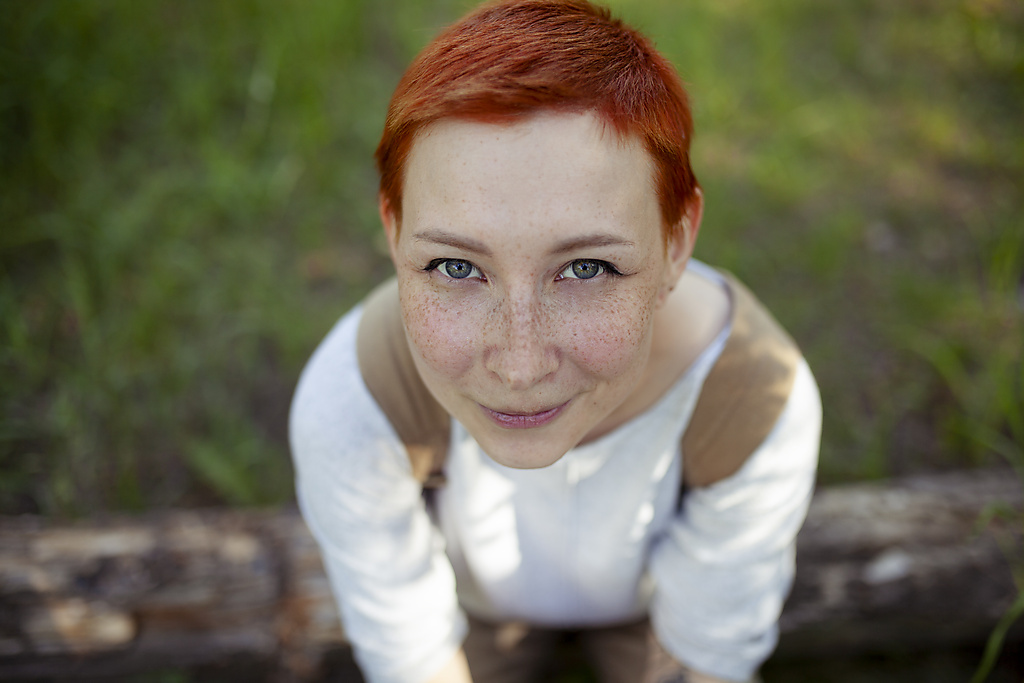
519 343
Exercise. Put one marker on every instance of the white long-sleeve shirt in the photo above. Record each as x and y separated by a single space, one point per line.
595 538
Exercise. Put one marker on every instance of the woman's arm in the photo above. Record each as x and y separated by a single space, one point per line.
394 585
725 567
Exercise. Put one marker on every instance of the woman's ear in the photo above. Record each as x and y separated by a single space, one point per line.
390 222
681 242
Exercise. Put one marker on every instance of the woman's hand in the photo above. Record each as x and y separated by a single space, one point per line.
685 675
664 668
455 671
691 676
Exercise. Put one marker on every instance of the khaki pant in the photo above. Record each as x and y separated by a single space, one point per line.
517 653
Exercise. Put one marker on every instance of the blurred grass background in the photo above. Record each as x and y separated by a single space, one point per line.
187 205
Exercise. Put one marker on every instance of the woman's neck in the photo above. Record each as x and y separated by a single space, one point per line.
692 316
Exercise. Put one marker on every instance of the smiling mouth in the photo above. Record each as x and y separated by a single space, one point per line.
524 420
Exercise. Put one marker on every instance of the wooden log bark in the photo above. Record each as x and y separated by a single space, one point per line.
902 564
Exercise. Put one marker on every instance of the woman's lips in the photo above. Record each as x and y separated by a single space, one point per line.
523 420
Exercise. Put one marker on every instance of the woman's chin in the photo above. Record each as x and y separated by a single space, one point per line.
529 461
522 452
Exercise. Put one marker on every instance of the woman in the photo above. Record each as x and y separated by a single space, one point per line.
555 357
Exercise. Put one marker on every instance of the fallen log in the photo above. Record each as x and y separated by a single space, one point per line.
901 564
923 562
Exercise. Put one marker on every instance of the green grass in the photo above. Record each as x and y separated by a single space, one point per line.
187 205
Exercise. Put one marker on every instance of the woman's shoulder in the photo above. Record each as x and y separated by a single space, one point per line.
331 406
332 366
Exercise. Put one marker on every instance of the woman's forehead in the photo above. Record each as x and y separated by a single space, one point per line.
581 131
561 158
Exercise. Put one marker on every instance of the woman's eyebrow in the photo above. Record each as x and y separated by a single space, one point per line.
573 244
450 240
590 241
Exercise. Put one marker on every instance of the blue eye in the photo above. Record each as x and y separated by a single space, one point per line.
584 269
456 269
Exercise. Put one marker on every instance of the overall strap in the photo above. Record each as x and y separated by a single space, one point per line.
743 394
386 364
740 402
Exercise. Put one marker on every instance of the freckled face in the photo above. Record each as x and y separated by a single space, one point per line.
530 263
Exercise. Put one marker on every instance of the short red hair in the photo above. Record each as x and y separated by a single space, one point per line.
510 58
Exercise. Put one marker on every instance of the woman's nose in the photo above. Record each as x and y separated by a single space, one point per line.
521 350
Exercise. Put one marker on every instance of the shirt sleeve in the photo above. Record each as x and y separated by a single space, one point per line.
725 567
385 559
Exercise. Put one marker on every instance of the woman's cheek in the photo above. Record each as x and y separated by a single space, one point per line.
442 333
613 339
